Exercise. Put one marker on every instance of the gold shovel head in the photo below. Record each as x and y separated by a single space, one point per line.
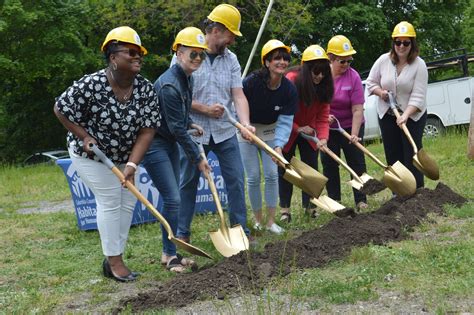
326 203
312 181
233 245
356 184
399 179
189 248
425 164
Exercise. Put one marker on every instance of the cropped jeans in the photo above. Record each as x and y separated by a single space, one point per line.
162 164
115 203
232 171
251 156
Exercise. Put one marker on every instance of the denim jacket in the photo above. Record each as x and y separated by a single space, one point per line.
174 90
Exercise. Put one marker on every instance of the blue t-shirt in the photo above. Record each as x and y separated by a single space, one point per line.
266 105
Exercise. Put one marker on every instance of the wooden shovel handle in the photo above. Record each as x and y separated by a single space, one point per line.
363 149
392 103
328 151
259 142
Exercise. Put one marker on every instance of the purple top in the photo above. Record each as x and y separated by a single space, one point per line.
348 91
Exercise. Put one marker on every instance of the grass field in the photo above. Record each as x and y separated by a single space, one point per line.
47 263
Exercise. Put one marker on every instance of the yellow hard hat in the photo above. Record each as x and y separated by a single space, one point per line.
191 37
124 34
273 44
314 52
228 15
404 29
340 45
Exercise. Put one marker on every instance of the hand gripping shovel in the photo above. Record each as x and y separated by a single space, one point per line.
228 241
422 161
357 182
187 247
396 177
296 172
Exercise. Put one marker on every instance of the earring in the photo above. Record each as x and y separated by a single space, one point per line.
114 66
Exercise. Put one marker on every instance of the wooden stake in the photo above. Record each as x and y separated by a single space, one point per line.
470 145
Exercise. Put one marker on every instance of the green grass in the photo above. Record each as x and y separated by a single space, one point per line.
47 262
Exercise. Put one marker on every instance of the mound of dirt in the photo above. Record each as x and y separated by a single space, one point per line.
251 271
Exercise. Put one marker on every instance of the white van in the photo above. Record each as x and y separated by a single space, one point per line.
448 101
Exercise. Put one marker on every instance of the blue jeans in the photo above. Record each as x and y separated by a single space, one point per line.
251 155
232 171
162 164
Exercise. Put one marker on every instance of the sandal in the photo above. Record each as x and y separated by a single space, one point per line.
186 262
285 217
175 266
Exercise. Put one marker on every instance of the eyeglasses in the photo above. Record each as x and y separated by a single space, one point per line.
131 52
194 54
405 43
343 61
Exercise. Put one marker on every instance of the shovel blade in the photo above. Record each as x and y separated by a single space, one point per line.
425 164
326 203
189 248
399 179
312 182
355 184
232 245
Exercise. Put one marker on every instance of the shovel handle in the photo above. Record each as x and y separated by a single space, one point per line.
393 103
259 142
328 151
132 188
213 188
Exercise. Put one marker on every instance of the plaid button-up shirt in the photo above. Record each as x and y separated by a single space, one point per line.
213 83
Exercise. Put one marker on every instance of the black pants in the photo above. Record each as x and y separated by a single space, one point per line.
396 144
354 158
310 157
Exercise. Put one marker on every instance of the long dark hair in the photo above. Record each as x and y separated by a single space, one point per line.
308 92
414 51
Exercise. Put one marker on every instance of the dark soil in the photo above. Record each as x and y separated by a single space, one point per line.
251 271
372 187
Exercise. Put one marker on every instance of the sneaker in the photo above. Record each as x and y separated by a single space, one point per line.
257 227
274 228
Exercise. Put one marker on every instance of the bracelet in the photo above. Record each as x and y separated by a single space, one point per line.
246 125
133 165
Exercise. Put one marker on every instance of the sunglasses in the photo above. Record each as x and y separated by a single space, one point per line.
343 62
405 43
286 58
131 52
194 54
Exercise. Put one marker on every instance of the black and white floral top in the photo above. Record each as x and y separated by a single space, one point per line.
91 103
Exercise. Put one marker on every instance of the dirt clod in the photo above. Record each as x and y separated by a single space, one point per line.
250 271
372 187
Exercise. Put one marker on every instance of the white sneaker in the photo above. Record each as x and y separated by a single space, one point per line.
257 227
274 228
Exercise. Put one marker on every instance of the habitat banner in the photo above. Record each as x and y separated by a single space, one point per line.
86 209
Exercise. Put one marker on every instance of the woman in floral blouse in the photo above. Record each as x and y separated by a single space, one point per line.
117 110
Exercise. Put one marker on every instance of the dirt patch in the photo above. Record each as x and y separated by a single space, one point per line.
372 187
46 207
251 271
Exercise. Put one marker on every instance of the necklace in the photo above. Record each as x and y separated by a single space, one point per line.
124 95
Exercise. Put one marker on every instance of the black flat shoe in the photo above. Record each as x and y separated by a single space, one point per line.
132 276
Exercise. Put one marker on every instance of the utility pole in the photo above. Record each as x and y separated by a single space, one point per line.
470 146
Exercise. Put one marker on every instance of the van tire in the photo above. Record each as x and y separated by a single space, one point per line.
433 128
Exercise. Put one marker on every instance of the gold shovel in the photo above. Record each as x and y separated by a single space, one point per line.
228 241
422 161
296 172
397 177
358 181
187 247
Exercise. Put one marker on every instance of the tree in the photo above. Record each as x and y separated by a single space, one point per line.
43 48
